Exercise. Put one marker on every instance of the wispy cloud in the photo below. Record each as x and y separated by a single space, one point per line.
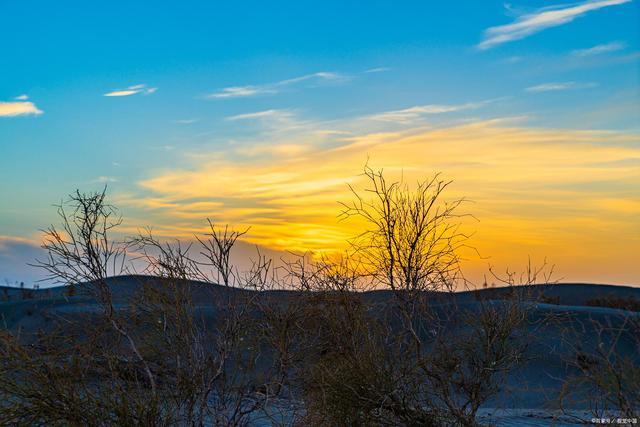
277 150
599 49
105 179
288 195
377 70
548 17
240 91
132 90
557 86
186 121
266 114
166 147
273 88
20 108
322 75
22 97
279 122
410 114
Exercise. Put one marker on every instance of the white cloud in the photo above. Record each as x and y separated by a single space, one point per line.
132 90
273 88
557 86
105 179
126 92
22 97
409 114
548 17
22 108
240 91
185 121
599 49
277 115
377 70
166 147
322 75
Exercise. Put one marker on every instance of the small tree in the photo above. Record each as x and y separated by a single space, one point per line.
412 238
602 360
418 358
81 368
151 357
216 248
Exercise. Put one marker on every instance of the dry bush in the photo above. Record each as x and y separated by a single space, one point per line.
603 362
149 358
360 366
413 356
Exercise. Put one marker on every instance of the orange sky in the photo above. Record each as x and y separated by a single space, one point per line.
571 196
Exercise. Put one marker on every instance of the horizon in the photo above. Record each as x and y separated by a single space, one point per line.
17 285
262 115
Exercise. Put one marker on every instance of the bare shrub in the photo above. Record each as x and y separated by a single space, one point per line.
147 357
415 357
602 359
216 248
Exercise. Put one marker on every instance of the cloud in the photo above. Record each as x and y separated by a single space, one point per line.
240 91
555 192
132 90
548 17
278 115
276 150
22 108
377 70
165 147
560 193
558 86
277 124
22 97
105 179
286 133
185 121
409 114
273 88
599 49
323 75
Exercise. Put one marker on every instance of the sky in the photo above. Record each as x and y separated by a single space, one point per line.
261 113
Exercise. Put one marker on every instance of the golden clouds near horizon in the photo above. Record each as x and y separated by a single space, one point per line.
570 195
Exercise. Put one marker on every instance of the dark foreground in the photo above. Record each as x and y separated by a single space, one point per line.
569 326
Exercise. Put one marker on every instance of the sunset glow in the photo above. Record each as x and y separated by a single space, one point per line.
534 117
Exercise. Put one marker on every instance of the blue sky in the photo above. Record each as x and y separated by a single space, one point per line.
201 86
